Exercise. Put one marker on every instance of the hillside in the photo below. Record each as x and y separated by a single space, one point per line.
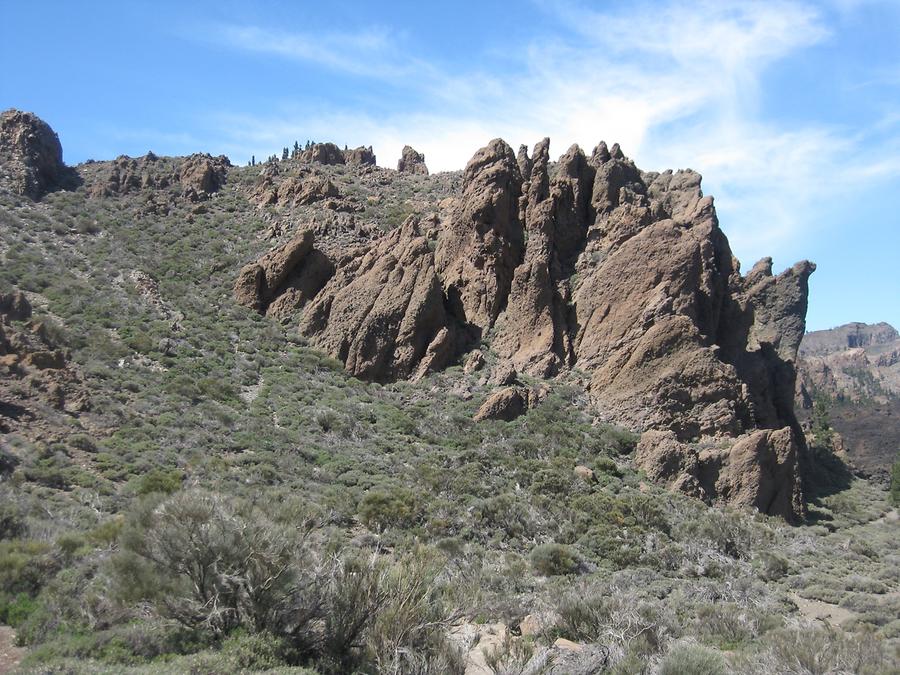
297 417
852 373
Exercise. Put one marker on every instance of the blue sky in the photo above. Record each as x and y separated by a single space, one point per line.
789 109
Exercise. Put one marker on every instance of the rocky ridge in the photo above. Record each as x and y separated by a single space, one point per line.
854 371
589 263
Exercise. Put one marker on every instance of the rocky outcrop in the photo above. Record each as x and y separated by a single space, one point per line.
293 191
285 278
31 156
361 156
198 176
760 470
382 313
412 162
596 265
478 252
323 153
202 175
509 403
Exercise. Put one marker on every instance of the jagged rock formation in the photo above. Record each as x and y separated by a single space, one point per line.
289 275
589 263
412 162
382 313
361 156
293 190
198 176
323 153
478 252
31 155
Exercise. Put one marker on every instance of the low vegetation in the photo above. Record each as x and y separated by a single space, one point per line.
234 502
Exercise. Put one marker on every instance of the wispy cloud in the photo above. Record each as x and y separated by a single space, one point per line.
676 85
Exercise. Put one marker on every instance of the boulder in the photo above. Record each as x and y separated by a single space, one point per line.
412 162
506 404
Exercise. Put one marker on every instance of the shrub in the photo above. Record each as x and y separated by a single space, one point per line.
694 659
380 509
554 560
158 480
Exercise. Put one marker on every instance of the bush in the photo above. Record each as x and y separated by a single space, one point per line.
554 560
695 659
380 509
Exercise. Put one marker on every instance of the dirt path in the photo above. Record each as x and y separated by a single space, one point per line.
10 655
817 610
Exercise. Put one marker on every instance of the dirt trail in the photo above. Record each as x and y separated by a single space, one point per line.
10 655
817 610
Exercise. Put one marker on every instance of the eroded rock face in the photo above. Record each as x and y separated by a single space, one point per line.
201 175
361 156
382 313
596 265
478 252
760 470
30 155
412 162
285 278
323 153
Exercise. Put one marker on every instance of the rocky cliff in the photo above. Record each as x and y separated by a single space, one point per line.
30 155
586 263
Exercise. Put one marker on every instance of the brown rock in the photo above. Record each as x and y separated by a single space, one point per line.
361 156
506 404
759 469
477 254
30 155
15 306
323 153
474 362
383 312
412 162
258 282
45 359
202 175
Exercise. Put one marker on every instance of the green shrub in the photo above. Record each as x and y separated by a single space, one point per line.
554 560
159 480
380 509
695 659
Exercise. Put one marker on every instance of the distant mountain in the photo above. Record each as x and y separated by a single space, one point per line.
854 371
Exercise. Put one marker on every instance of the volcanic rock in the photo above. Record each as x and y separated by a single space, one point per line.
361 156
202 175
383 313
412 162
15 306
30 155
323 153
505 404
292 269
478 252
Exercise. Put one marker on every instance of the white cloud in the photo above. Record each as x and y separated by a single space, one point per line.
675 84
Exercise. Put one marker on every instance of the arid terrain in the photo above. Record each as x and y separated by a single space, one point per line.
313 415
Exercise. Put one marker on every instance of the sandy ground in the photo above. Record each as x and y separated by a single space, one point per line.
10 655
